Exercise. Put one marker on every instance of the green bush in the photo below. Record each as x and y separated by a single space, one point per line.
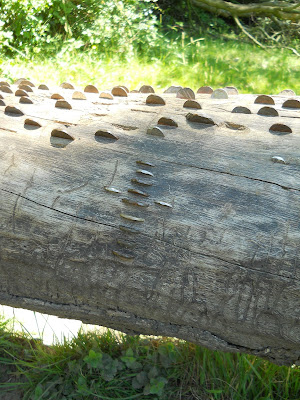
106 26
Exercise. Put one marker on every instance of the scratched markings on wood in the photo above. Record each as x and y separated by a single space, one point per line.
183 219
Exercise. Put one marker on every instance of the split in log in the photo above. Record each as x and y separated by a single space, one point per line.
193 233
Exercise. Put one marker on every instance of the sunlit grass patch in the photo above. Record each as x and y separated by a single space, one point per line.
188 63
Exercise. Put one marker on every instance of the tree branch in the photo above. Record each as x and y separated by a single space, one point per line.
278 9
247 33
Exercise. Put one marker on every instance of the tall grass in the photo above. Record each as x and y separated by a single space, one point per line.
182 61
109 366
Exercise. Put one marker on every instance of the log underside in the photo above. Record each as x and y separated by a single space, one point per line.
189 231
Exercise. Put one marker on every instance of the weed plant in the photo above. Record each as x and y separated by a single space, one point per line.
110 366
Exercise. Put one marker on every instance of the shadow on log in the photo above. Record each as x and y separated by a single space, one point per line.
193 233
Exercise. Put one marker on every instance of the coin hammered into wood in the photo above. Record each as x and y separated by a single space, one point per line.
200 119
119 91
280 129
146 89
185 93
263 99
138 192
268 112
278 159
112 189
205 90
43 87
27 88
155 131
67 85
287 92
24 82
57 96
21 92
132 218
173 89
167 122
32 122
231 90
146 163
11 110
106 95
125 88
155 99
219 94
5 89
192 104
78 95
61 133
105 134
25 100
144 172
241 110
291 103
91 89
63 104
140 182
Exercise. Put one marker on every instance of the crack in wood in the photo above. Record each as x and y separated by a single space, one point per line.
232 262
205 169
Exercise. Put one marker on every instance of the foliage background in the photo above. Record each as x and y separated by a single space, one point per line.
42 25
118 27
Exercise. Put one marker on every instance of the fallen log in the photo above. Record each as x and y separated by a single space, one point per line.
174 215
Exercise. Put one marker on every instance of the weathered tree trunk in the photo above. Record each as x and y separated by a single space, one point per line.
190 230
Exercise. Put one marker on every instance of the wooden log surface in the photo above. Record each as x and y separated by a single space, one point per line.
153 217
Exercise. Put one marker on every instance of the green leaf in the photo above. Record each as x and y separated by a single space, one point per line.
130 360
82 385
94 359
109 367
140 380
129 352
38 392
153 372
157 385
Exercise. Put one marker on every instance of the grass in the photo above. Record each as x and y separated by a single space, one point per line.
110 366
179 61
